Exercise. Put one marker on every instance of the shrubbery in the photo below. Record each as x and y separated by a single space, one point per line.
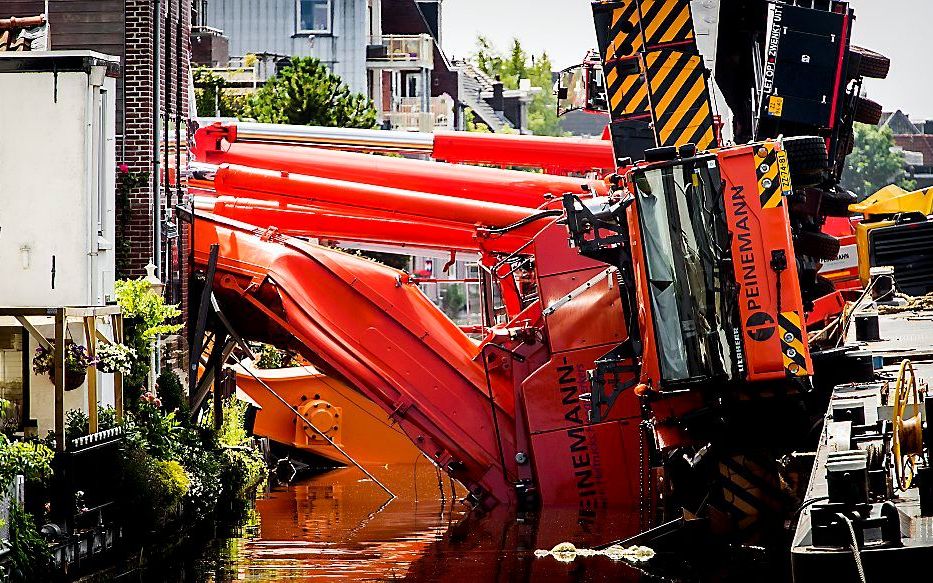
146 315
173 466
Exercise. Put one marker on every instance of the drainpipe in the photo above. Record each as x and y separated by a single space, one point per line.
156 156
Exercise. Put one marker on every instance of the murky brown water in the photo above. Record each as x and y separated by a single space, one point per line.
339 526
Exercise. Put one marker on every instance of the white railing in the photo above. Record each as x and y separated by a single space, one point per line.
408 114
407 49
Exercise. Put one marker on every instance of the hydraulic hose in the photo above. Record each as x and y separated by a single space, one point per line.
523 222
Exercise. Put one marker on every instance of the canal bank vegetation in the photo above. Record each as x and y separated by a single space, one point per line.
149 475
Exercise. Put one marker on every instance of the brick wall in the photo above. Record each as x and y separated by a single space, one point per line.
136 149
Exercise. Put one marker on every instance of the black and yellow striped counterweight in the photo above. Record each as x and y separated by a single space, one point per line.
655 76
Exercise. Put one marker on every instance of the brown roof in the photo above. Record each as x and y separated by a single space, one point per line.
23 34
922 143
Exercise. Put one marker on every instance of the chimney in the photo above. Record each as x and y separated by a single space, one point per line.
498 95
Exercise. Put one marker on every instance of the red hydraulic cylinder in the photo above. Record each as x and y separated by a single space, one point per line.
555 155
336 224
527 189
365 198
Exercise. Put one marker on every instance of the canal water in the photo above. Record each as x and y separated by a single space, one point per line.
340 526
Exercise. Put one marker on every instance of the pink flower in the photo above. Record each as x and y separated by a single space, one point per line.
123 168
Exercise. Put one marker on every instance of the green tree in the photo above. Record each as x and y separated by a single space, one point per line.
873 164
211 97
516 65
307 93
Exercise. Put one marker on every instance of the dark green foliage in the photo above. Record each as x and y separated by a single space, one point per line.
270 357
172 393
516 65
206 470
307 93
77 423
152 431
393 260
212 99
30 558
153 490
454 300
873 164
32 459
189 468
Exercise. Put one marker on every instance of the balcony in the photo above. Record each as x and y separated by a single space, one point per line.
408 114
398 51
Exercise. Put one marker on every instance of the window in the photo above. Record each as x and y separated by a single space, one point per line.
313 16
14 378
685 246
100 144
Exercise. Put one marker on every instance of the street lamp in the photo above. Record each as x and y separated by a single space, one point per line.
155 284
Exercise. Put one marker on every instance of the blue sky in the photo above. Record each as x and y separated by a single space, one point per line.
897 28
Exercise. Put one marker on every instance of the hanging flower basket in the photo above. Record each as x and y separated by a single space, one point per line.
76 363
73 380
115 357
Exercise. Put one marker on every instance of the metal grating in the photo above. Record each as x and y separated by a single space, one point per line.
909 249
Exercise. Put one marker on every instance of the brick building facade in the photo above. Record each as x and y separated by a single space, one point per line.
127 28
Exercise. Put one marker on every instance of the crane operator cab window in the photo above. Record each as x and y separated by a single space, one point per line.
690 279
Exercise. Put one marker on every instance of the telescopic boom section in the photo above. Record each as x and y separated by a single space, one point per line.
337 225
553 155
358 320
560 156
356 197
526 189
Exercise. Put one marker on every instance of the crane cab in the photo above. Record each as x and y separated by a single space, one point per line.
712 253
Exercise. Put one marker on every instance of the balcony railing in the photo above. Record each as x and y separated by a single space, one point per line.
409 116
404 50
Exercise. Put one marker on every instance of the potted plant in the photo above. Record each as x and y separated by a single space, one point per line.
76 363
115 357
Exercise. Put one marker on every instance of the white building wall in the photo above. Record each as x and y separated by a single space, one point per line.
50 164
270 26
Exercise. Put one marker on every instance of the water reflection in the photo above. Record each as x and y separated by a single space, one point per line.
339 526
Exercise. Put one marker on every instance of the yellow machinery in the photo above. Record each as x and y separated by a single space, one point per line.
897 230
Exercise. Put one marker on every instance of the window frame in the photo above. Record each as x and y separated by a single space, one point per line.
299 31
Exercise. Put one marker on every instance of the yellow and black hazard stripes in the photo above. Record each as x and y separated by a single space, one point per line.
680 100
773 172
750 489
792 346
666 22
654 72
768 174
618 29
626 88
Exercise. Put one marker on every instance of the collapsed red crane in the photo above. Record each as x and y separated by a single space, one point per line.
370 326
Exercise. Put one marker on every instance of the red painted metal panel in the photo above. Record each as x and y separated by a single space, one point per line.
590 467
